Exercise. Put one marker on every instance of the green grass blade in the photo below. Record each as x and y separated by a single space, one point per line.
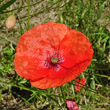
3 7
100 10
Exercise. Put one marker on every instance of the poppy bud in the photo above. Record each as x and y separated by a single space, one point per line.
10 22
71 104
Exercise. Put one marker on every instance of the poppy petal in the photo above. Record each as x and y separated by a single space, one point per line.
76 48
83 81
57 79
34 46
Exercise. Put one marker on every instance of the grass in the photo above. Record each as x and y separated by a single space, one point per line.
82 15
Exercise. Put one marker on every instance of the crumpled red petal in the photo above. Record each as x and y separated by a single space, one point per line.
45 40
80 84
34 46
71 104
76 49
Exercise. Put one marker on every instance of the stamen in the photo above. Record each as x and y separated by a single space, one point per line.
54 61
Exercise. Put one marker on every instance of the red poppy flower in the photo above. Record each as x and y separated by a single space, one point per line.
52 54
71 104
79 84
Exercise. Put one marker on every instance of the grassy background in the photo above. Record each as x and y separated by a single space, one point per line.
91 17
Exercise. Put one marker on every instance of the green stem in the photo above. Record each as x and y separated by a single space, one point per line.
11 84
28 15
99 68
62 94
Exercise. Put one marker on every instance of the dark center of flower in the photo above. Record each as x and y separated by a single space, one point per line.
54 60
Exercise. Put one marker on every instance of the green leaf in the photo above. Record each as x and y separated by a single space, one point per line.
4 6
92 84
100 10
